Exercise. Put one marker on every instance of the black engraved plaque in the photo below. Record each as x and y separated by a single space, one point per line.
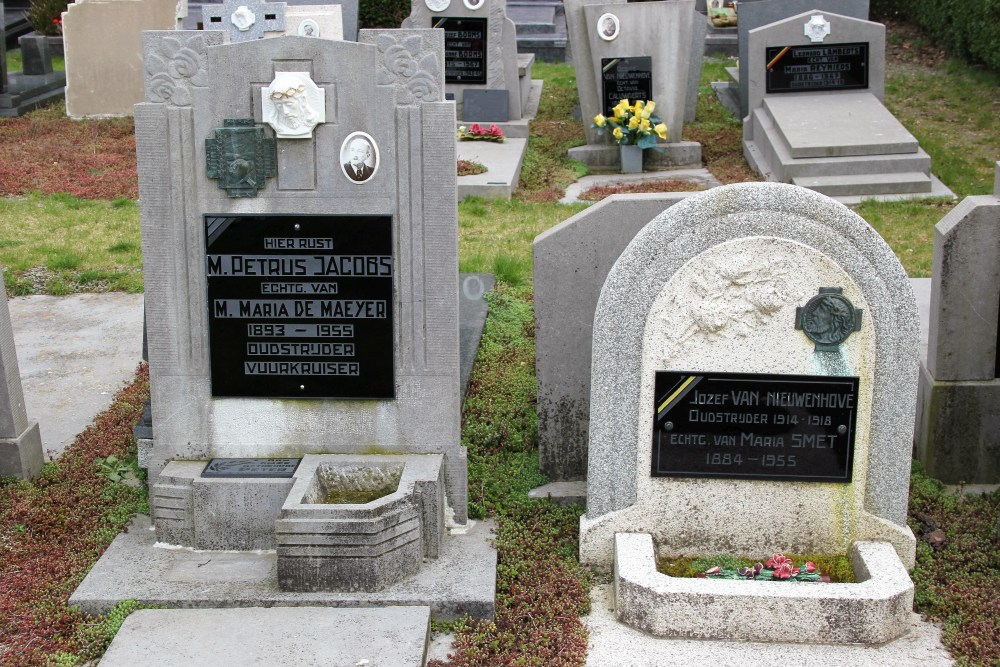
736 425
300 306
464 49
250 468
806 69
626 78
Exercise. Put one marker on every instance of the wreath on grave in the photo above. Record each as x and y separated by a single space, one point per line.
633 124
477 132
777 568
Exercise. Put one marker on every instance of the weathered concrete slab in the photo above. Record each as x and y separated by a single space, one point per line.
292 637
836 131
461 581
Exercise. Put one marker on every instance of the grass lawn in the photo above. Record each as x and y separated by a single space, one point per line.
69 222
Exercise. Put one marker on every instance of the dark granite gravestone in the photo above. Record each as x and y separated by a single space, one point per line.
485 105
21 92
746 426
301 306
625 78
36 57
814 68
3 59
464 49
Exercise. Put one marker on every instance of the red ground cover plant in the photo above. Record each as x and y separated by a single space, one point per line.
957 577
47 152
54 529
541 595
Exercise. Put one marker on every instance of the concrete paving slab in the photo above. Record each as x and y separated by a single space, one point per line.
291 637
613 643
838 125
74 352
461 580
503 162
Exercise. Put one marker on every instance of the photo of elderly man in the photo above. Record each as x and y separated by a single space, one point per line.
359 157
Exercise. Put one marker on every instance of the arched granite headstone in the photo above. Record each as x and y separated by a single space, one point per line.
715 284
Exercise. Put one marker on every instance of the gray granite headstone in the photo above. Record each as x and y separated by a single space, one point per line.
244 20
499 53
348 13
758 13
585 247
662 31
959 409
485 105
389 90
20 443
790 32
711 285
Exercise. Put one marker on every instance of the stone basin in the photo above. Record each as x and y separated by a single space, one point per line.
874 610
359 547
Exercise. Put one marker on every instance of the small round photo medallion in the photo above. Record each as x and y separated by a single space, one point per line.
308 28
359 157
473 4
608 27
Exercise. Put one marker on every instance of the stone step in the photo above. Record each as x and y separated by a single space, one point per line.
533 20
867 184
547 48
830 125
774 149
288 636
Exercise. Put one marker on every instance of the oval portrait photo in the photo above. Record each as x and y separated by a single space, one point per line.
308 28
359 157
608 26
473 4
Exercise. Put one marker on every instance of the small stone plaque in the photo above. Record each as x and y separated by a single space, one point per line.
807 69
250 468
485 105
626 78
464 49
746 426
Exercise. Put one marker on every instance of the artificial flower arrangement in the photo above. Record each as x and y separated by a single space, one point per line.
476 132
777 568
633 124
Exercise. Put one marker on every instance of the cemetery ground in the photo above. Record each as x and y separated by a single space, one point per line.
69 223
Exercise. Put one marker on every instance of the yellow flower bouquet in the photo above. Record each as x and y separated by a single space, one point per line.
633 124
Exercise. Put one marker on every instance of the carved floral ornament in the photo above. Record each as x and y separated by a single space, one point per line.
401 64
174 67
730 299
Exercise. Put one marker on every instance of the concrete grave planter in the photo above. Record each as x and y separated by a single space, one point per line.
631 159
359 547
874 610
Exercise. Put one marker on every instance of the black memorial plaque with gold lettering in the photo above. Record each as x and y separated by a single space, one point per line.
300 306
736 425
626 79
807 69
464 49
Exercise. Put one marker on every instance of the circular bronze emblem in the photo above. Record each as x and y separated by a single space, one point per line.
828 319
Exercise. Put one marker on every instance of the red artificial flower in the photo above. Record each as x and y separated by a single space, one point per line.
477 129
495 131
783 571
776 561
810 567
